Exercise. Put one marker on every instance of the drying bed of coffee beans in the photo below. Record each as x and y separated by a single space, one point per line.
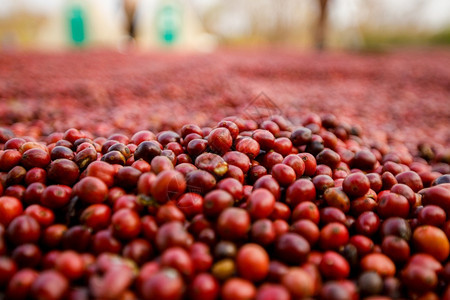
233 175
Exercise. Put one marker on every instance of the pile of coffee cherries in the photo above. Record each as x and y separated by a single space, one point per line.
249 209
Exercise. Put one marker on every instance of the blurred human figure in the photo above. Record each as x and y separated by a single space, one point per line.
130 12
321 25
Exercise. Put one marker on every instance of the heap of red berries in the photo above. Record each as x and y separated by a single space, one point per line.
245 210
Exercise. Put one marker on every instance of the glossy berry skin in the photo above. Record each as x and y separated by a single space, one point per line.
20 284
393 205
35 158
272 291
212 163
91 190
283 174
269 183
367 223
194 148
233 223
364 160
27 255
356 184
172 234
298 282
252 262
300 191
204 286
324 170
50 285
178 259
77 238
126 224
260 204
411 179
231 126
220 140
70 264
379 263
388 181
10 208
419 279
322 183
164 284
96 216
307 229
43 215
292 248
127 177
201 257
362 204
432 215
147 150
104 241
396 248
335 197
191 204
62 152
431 240
332 214
437 195
63 171
236 173
256 172
23 229
396 226
141 136
306 210
334 266
55 196
280 211
296 163
52 235
405 191
233 187
237 289
16 175
328 157
35 175
333 236
264 138
301 136
248 146
215 202
168 185
248 209
138 250
190 137
363 244
263 232
282 145
7 269
237 159
375 181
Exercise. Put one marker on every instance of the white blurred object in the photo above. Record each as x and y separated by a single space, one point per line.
171 24
99 20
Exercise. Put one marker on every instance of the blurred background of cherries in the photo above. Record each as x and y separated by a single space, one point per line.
399 97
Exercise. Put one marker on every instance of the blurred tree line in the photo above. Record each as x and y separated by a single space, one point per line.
346 23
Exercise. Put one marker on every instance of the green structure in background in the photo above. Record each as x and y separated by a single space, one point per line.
168 23
77 25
